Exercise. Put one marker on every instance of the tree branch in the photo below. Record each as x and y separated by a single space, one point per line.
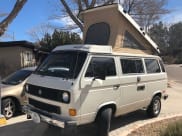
73 17
108 2
16 9
92 4
86 3
79 3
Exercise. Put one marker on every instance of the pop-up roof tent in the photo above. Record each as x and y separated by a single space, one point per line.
110 25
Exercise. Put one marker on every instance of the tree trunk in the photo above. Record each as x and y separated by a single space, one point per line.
70 13
17 8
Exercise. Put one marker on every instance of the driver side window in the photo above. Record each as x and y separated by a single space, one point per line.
101 65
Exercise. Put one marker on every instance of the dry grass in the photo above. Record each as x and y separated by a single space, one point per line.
155 129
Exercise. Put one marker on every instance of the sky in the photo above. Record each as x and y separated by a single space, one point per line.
38 12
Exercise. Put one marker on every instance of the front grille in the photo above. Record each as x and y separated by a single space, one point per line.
44 106
48 93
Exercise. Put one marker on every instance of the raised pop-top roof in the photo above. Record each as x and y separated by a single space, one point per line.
120 23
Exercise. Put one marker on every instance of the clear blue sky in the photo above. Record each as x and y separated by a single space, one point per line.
37 12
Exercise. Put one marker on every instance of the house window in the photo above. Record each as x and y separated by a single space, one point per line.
27 59
131 42
132 66
152 66
99 65
98 33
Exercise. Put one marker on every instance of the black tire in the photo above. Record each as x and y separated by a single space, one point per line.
155 107
8 108
104 121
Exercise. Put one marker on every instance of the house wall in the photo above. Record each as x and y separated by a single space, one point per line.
11 59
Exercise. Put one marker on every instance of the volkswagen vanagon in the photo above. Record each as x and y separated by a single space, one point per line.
80 84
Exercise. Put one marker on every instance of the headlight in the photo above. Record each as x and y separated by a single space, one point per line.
26 88
65 97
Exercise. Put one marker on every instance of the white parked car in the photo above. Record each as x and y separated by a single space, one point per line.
77 85
12 91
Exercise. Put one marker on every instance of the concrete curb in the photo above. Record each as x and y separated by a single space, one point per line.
150 121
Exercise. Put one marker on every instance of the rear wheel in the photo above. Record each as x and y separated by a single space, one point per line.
8 108
104 121
155 107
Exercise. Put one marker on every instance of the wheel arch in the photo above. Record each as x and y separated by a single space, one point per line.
111 105
15 99
157 93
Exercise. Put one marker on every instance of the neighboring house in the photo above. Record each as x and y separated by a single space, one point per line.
110 25
15 55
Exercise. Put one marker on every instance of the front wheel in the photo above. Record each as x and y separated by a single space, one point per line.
8 108
104 121
155 107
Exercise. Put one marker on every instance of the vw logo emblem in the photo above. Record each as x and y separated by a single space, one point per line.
40 92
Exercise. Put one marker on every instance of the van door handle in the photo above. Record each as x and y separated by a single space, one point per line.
140 87
115 87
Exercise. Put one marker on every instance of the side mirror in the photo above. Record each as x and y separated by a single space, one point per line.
101 77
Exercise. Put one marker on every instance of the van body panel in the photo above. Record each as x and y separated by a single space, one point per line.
54 82
97 92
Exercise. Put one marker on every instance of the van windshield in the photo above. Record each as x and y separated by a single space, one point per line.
64 64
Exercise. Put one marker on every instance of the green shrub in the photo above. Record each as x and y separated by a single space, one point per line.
173 129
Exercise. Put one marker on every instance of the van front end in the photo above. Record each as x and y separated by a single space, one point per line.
50 105
51 89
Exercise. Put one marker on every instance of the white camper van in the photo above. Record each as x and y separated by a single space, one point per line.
80 84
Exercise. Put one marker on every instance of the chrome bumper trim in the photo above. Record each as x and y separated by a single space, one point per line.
49 118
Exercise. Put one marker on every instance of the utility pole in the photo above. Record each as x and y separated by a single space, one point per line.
2 118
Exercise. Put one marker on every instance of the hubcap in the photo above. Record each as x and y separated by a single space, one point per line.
156 106
9 109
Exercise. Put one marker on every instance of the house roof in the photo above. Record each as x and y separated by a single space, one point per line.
130 20
25 44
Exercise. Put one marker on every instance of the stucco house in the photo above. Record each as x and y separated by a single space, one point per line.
15 55
111 25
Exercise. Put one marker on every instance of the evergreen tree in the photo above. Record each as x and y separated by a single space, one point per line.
160 34
59 38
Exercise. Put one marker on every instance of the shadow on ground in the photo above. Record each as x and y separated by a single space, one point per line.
29 128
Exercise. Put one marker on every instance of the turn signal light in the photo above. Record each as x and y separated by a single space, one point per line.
72 112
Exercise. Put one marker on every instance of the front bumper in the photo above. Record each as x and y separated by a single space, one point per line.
39 115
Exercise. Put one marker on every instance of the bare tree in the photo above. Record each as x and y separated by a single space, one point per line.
39 31
7 20
8 35
145 12
73 7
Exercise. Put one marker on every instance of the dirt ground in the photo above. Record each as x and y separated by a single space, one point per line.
154 129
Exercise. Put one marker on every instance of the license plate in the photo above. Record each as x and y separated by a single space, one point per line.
35 117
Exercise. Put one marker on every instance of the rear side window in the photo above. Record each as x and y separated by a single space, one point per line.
99 65
132 66
152 66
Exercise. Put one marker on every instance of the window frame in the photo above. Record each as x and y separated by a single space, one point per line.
104 26
132 39
157 60
132 58
162 67
100 56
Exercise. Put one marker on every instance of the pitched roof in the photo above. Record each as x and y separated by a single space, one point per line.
25 44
